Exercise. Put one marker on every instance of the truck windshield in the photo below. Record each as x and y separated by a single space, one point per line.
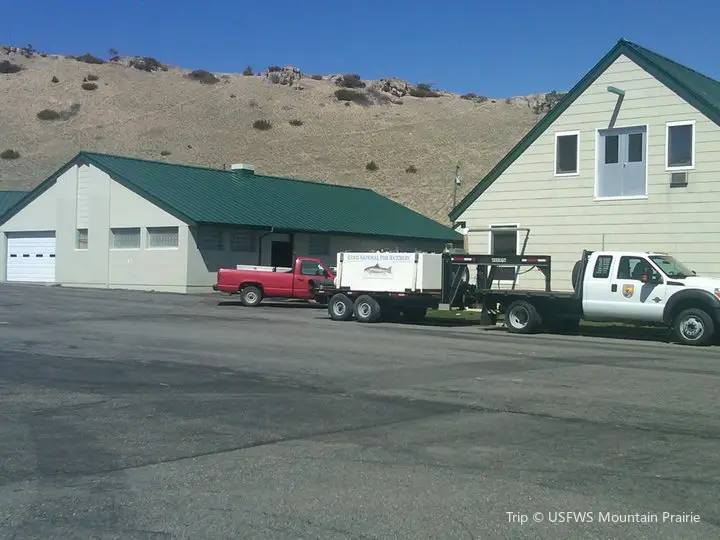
671 266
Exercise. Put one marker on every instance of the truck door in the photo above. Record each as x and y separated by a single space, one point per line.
638 290
597 286
303 275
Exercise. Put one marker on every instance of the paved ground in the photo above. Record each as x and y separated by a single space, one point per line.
132 415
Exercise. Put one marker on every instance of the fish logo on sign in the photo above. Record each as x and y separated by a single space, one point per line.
628 291
378 270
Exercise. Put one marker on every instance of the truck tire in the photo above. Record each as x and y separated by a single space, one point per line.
340 308
250 296
367 309
521 317
694 327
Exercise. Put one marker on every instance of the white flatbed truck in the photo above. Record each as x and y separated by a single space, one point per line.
645 288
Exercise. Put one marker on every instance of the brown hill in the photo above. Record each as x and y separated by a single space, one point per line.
53 106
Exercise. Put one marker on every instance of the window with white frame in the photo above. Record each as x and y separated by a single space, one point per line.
162 237
319 244
243 241
567 154
81 239
210 238
125 238
680 146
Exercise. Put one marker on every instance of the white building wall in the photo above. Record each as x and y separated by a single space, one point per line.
562 212
86 197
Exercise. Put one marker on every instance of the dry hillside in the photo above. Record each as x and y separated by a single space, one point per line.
158 112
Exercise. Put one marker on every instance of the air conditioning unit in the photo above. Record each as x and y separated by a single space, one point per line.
679 179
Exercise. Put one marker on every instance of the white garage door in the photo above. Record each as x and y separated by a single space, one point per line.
31 256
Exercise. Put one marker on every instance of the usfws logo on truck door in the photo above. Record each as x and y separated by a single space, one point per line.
379 271
628 290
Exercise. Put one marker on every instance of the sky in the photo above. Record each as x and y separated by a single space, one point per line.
498 49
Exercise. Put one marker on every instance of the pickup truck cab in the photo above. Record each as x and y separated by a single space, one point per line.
253 283
647 288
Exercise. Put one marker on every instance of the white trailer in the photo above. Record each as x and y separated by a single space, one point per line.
375 285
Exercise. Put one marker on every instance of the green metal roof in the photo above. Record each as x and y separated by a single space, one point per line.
200 195
8 199
697 89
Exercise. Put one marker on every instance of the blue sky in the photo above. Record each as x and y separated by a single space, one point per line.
497 49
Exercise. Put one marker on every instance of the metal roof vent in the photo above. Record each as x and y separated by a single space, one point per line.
242 167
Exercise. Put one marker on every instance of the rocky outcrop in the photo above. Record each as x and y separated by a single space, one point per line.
395 87
286 76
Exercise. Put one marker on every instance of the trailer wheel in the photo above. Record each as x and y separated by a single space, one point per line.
694 327
367 309
250 296
522 318
340 308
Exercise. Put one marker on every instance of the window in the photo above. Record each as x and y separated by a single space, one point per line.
504 241
319 244
633 268
127 238
210 239
566 153
602 266
81 239
680 149
612 149
242 241
162 237
310 268
635 147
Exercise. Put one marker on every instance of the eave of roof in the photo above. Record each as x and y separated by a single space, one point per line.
656 65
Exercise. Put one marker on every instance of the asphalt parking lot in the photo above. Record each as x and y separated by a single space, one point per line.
143 415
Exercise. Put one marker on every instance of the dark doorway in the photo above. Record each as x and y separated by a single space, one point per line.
281 254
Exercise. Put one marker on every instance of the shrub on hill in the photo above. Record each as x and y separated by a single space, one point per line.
89 59
262 125
345 94
203 76
8 67
10 154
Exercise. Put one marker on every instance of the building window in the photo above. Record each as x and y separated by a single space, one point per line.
126 238
567 155
210 239
680 146
242 241
319 245
81 239
504 241
162 237
602 267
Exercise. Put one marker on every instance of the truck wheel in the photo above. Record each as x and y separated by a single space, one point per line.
522 318
250 296
367 309
694 327
340 308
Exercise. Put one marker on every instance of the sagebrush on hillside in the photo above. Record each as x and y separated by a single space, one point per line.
147 109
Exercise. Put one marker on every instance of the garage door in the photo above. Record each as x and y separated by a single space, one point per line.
31 256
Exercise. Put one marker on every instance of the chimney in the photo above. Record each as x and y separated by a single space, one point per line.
243 167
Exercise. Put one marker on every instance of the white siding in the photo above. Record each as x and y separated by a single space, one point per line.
84 177
562 212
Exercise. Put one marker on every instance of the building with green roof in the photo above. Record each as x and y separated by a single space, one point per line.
119 222
628 159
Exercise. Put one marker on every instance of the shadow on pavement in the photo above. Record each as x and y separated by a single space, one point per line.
270 304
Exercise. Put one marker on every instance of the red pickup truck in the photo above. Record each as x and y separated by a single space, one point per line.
253 283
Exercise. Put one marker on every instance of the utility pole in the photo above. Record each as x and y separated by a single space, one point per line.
457 183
